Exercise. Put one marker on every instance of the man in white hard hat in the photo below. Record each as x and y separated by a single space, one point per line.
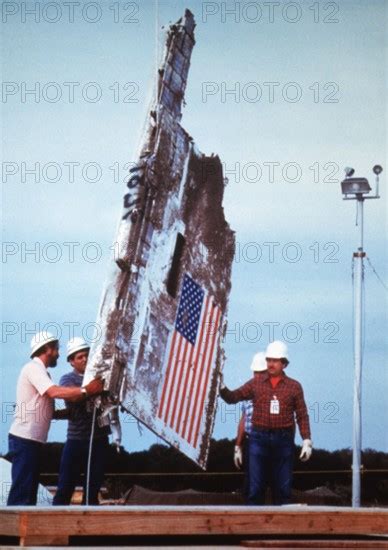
277 402
241 449
35 394
75 453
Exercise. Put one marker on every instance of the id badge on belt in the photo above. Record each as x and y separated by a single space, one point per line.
274 407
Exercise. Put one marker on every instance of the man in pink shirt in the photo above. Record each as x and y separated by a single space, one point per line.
35 394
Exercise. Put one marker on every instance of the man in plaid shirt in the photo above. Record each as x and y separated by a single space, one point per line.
277 401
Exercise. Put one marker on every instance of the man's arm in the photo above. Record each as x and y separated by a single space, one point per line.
75 393
240 432
243 393
238 457
302 417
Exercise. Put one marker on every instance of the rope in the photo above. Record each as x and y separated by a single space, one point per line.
90 456
140 428
363 314
377 275
353 308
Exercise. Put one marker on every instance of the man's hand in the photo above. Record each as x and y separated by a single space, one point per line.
307 449
222 385
238 457
94 387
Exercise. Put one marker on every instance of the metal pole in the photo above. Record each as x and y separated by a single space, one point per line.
359 273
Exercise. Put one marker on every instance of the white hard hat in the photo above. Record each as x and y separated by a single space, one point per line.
76 344
277 350
40 339
259 363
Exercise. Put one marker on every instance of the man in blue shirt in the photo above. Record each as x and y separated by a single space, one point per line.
74 460
241 449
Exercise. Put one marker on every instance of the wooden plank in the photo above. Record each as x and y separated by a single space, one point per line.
260 545
132 547
44 540
9 523
15 523
315 543
200 520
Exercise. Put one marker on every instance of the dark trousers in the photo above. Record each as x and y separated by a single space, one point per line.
271 457
246 467
25 456
74 461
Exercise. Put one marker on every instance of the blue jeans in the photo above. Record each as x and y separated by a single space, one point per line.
246 467
271 458
74 461
25 457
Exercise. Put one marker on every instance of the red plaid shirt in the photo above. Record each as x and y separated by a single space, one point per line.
288 392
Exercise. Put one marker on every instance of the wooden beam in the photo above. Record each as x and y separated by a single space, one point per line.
192 520
44 540
9 523
315 543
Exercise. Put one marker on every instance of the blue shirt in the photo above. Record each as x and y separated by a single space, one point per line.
81 412
247 411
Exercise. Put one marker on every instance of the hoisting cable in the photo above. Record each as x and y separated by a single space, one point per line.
90 455
377 275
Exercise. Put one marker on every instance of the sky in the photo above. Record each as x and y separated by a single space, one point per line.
287 94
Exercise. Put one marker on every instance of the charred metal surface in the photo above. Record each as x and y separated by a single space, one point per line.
172 226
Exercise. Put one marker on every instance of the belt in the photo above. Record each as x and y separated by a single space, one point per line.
273 430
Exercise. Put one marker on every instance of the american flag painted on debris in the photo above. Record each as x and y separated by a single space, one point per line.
160 351
190 357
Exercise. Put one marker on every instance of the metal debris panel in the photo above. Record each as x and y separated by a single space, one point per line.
163 311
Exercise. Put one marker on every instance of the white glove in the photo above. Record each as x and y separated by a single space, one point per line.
222 385
307 449
237 457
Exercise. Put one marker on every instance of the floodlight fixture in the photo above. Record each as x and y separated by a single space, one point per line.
355 186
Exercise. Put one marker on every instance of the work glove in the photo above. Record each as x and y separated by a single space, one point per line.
238 457
307 449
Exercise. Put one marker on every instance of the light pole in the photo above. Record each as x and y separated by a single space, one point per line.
356 189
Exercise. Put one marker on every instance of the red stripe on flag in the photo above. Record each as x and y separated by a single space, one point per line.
181 369
200 371
167 376
174 368
208 369
209 340
185 395
195 368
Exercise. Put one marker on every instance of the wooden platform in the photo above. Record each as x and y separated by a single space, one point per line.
54 525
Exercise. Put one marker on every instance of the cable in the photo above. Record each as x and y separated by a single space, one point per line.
90 455
353 308
377 275
363 315
139 428
363 325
